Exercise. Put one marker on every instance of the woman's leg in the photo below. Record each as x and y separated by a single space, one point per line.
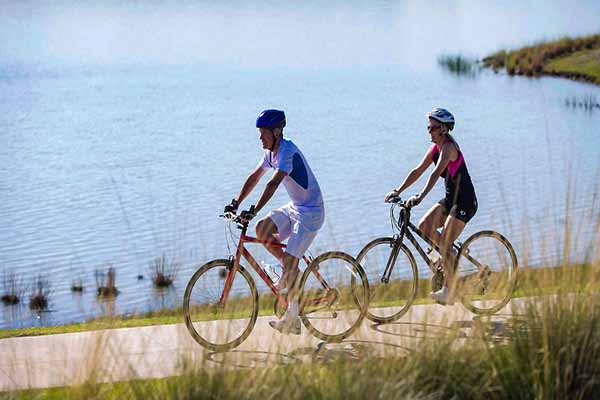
453 227
432 221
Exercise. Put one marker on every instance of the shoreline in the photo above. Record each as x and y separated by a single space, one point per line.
528 283
577 59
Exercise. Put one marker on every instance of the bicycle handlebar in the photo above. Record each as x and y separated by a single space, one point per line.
398 200
232 216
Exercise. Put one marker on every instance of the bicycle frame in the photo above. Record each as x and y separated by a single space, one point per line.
243 252
405 230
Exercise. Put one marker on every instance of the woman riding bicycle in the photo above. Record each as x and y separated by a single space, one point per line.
459 204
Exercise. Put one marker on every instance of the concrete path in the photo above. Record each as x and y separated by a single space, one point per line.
164 350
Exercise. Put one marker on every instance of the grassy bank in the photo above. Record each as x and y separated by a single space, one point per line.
161 317
553 353
574 58
529 283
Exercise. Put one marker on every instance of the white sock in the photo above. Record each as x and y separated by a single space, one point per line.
443 290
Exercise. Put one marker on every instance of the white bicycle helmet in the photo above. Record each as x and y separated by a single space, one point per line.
442 115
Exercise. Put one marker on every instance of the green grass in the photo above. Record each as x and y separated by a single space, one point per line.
584 62
162 317
576 58
552 353
528 284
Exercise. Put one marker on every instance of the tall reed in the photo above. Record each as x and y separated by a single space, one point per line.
13 288
40 293
459 65
163 271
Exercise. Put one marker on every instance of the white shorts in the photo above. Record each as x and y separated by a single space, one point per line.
301 227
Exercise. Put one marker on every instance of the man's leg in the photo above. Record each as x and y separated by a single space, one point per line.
290 323
304 231
291 272
266 230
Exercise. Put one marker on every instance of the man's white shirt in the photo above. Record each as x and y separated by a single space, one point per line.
300 183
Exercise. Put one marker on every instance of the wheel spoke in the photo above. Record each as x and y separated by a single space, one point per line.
388 300
487 275
220 326
333 314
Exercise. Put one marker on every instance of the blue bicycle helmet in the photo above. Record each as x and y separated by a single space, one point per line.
271 119
442 115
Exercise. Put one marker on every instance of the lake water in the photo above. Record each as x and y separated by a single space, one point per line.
125 129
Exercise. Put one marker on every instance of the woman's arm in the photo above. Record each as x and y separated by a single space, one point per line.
445 153
412 175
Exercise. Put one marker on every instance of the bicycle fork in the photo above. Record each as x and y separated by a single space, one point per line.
395 245
231 271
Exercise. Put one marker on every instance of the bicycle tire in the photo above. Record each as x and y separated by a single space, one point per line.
353 312
218 266
381 292
506 264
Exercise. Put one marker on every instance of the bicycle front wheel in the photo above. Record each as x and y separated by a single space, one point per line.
389 300
487 272
220 327
334 297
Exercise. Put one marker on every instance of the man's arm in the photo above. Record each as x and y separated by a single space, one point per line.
269 190
250 183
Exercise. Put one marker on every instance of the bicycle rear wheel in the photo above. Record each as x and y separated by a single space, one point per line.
487 272
220 328
334 296
389 301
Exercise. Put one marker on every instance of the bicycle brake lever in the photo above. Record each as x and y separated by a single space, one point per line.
229 215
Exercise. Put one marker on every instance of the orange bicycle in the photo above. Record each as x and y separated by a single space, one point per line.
220 304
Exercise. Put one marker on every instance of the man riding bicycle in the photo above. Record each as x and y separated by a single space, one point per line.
298 221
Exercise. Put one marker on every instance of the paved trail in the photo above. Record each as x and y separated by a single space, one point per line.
161 351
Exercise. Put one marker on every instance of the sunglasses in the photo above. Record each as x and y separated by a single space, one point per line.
431 128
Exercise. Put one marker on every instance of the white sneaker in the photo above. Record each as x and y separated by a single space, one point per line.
443 297
287 326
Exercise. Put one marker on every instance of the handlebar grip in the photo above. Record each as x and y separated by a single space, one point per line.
396 199
228 215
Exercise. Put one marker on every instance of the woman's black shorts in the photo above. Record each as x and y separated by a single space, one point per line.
464 210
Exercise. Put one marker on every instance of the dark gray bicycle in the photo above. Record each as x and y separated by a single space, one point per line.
486 268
